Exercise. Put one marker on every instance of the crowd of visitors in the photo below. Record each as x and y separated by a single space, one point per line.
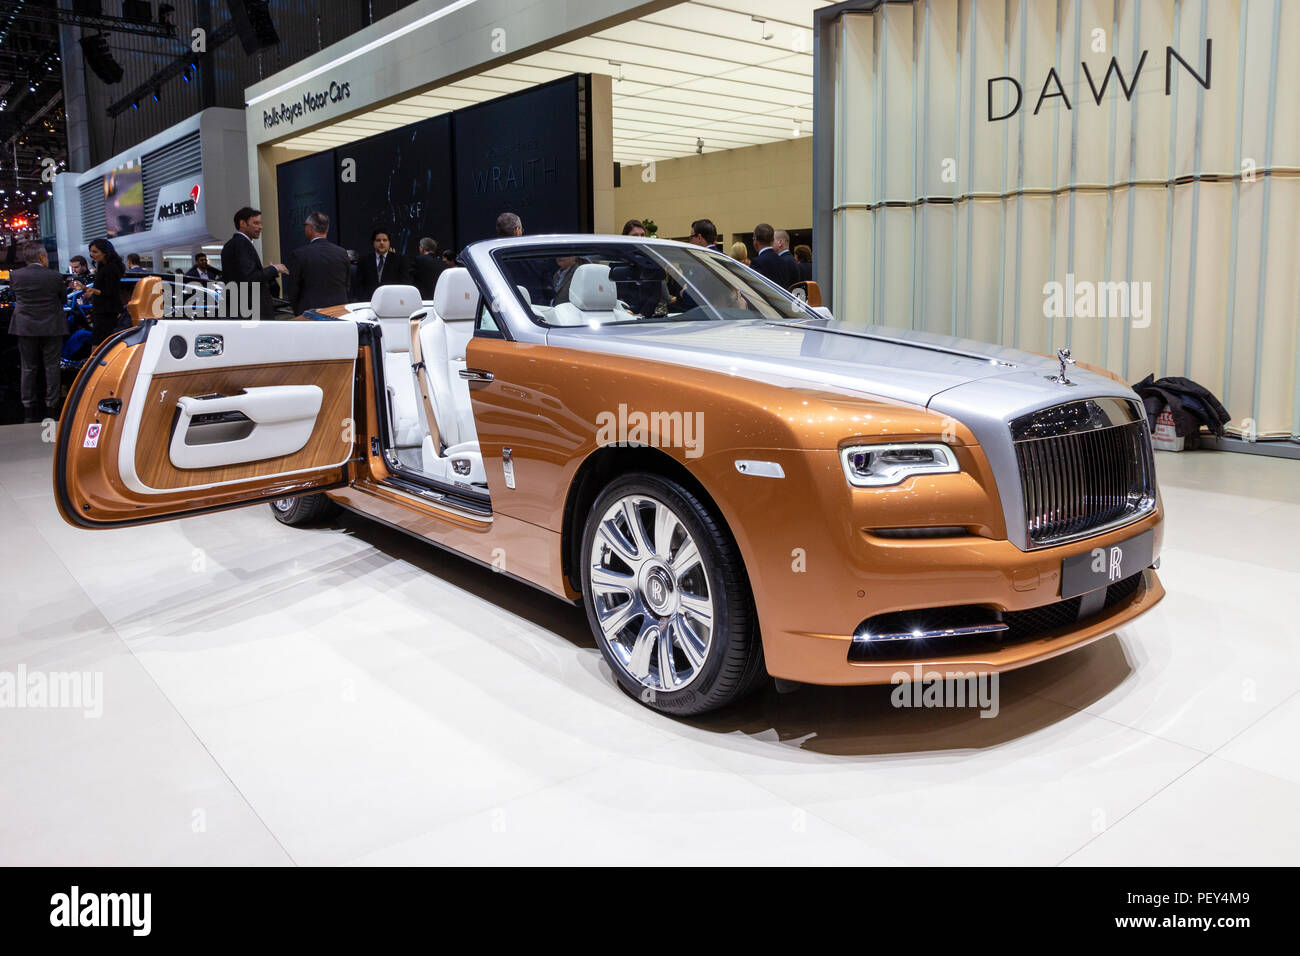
59 319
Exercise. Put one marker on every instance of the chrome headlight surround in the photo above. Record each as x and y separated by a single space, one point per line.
879 466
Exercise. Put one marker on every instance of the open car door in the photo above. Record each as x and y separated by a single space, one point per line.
181 416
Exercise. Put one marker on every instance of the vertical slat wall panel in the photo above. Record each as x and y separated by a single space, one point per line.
1146 189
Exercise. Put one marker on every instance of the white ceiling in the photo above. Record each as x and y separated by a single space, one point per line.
699 70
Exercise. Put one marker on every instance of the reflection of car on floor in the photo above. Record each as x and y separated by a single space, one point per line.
733 483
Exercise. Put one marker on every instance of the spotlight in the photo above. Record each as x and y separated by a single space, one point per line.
100 59
156 91
135 105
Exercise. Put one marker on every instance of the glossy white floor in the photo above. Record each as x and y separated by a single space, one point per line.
347 695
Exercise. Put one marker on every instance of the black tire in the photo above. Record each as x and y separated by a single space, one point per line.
303 509
732 664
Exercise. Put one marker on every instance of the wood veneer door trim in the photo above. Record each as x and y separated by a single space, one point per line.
153 467
89 491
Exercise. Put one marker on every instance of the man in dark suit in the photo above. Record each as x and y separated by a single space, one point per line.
201 270
383 266
319 271
426 267
767 262
39 325
789 264
241 263
704 234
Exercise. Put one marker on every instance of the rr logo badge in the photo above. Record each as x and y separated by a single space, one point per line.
1113 567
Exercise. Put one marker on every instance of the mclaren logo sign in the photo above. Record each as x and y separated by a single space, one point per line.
177 201
1051 87
177 210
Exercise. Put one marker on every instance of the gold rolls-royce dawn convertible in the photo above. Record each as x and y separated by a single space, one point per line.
733 483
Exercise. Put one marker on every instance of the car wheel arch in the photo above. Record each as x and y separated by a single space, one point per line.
597 470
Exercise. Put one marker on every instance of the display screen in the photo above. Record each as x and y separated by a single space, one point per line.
304 186
525 153
400 181
124 200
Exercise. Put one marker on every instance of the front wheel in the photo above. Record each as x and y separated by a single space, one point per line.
668 598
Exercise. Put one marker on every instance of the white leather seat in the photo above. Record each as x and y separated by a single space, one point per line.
543 312
593 297
444 334
392 306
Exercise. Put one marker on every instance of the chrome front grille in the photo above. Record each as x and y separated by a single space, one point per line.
1085 467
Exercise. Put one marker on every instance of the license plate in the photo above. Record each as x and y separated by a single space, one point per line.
1102 567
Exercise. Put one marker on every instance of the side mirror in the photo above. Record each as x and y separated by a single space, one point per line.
824 312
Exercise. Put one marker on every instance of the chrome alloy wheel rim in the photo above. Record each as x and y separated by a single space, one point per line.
651 593
282 504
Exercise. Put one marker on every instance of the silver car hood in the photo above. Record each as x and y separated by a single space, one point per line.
901 364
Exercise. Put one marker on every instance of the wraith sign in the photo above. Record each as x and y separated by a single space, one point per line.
1051 87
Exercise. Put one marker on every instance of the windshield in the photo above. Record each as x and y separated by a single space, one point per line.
595 284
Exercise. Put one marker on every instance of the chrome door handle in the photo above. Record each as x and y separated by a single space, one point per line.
207 346
475 375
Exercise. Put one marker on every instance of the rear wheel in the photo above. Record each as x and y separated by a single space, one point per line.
304 508
667 597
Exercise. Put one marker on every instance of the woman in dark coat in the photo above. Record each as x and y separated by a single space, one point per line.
106 292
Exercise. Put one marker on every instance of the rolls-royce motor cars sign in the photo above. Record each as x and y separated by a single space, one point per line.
178 200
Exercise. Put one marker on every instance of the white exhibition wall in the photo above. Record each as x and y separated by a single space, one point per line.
948 217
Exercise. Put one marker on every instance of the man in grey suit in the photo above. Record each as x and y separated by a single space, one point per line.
319 271
40 326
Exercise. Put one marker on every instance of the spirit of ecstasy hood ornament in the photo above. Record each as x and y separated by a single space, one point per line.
1063 356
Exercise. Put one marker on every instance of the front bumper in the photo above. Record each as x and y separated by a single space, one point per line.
815 581
824 658
916 575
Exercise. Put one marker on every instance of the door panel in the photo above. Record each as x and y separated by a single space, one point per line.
254 424
155 428
155 466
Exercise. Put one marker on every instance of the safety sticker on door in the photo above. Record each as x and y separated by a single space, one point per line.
92 435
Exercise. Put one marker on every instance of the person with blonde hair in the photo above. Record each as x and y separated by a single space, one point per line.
739 252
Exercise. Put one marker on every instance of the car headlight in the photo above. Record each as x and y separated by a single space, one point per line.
873 466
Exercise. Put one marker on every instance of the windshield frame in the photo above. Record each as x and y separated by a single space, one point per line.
755 287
